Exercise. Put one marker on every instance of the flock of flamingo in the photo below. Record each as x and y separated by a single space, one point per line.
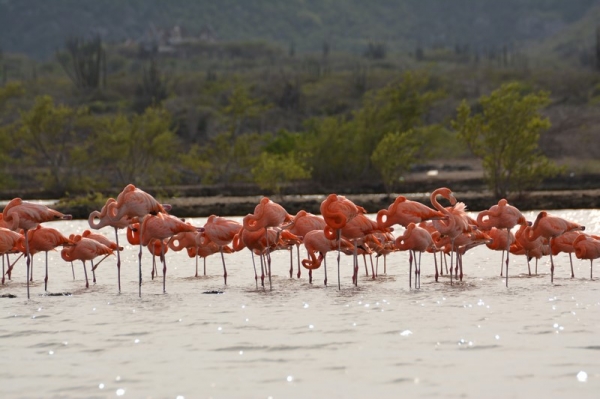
342 226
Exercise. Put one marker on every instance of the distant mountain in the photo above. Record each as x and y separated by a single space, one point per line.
38 27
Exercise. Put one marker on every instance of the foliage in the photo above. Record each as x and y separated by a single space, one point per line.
152 91
505 137
398 151
84 61
48 137
138 149
273 171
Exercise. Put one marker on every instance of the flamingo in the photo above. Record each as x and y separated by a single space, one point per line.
111 244
337 211
315 241
84 249
550 227
45 239
135 203
587 247
414 239
501 216
501 241
267 214
161 226
303 223
190 240
564 243
221 231
18 214
404 211
457 222
10 241
105 220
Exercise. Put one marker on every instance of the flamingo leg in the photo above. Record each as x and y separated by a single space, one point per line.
3 269
365 262
118 260
507 253
377 264
262 270
436 267
224 268
73 270
325 266
255 275
28 260
420 253
536 262
355 277
268 255
140 262
298 257
571 260
204 264
502 265
93 272
384 265
591 269
87 283
196 262
310 276
152 271
339 237
46 277
164 261
528 264
410 259
459 256
451 259
291 262
372 267
551 264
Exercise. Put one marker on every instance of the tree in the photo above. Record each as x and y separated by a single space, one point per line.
505 137
141 149
48 137
84 61
273 171
398 151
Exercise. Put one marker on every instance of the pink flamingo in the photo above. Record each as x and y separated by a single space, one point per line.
315 242
84 249
501 216
551 227
403 212
457 222
161 226
564 243
45 239
19 214
135 203
303 223
587 247
221 231
415 239
103 219
337 211
10 242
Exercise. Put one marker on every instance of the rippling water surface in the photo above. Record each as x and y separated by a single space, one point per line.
474 339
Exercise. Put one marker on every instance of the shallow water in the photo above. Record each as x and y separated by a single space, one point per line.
473 339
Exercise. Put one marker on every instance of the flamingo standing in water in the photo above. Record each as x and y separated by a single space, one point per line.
315 241
564 243
501 216
18 214
303 223
161 226
97 220
45 239
10 241
84 249
135 203
337 211
267 214
221 231
501 239
111 244
550 227
457 222
414 239
587 247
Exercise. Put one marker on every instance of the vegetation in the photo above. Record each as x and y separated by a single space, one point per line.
505 135
184 103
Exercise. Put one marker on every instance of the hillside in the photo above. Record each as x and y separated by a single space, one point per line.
38 27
